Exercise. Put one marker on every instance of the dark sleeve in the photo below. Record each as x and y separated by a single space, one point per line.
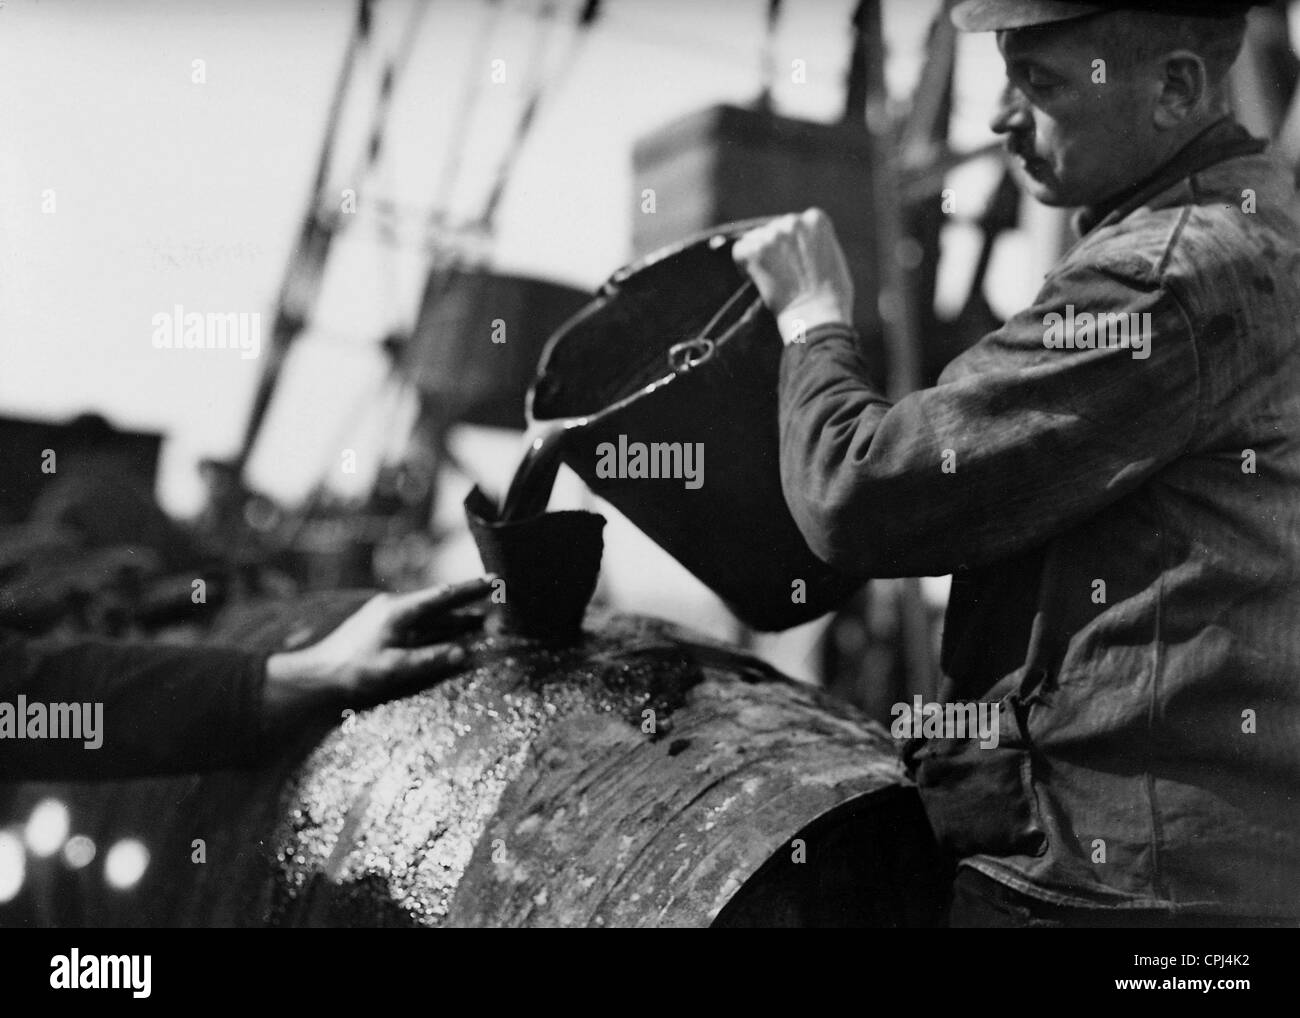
140 709
1017 443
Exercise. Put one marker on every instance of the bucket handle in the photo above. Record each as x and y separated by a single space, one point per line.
691 353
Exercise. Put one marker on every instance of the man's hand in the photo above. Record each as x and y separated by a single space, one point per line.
373 655
800 271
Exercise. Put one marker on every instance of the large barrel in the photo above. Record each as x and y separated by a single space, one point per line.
641 777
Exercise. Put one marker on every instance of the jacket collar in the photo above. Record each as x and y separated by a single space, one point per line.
1223 139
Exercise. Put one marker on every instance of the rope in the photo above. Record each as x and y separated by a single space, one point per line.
539 85
471 97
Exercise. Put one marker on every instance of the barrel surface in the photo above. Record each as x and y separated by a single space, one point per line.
638 778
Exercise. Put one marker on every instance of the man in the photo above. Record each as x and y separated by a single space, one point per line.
159 709
1113 478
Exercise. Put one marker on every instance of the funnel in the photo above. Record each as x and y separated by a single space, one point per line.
549 562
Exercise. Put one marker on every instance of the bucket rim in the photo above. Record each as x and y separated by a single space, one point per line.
725 232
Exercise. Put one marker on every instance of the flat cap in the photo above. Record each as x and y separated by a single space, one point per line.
996 15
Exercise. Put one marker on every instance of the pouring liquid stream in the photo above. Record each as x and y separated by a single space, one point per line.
530 488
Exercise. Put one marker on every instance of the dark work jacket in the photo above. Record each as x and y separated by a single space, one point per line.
1124 535
166 709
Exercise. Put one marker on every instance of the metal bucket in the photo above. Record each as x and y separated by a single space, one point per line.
677 354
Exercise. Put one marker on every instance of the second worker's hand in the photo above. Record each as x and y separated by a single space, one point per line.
369 658
800 271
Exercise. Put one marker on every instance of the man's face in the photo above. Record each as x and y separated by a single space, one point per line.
1076 137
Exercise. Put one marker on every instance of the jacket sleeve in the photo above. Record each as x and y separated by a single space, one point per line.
162 709
1017 443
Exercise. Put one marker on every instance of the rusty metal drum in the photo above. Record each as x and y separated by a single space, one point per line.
641 776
